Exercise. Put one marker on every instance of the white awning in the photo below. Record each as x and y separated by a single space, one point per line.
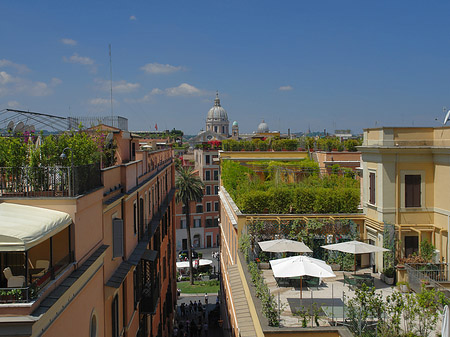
23 227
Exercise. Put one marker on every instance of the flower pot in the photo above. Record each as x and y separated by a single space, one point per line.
264 265
404 288
388 280
382 277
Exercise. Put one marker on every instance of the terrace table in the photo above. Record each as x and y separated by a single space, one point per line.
367 279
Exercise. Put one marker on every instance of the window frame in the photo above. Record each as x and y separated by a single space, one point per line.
422 191
372 188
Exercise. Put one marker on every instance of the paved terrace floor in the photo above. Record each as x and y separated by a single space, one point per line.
329 296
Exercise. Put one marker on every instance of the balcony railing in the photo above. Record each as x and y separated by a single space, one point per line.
32 291
428 274
49 181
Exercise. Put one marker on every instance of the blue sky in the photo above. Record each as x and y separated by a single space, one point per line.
297 64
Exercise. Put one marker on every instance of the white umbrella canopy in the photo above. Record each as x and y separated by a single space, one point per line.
201 262
299 266
445 332
355 247
284 245
295 266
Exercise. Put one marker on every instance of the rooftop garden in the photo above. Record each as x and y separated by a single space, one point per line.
65 164
279 187
277 144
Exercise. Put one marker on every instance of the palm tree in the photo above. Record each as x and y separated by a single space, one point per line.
189 188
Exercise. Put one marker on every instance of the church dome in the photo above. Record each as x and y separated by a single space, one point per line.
235 123
217 112
263 127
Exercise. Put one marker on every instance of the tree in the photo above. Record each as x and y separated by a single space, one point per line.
189 188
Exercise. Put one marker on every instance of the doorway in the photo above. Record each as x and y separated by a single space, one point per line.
411 245
208 241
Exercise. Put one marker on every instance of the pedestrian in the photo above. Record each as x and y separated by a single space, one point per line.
195 306
175 331
193 329
217 299
191 307
205 328
206 298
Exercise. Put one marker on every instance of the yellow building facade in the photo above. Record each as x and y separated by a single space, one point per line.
406 183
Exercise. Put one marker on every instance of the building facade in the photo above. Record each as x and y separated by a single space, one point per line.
205 214
405 183
109 268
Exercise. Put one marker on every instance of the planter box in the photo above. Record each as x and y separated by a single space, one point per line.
264 265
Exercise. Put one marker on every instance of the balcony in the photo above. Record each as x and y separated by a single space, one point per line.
49 181
431 275
34 249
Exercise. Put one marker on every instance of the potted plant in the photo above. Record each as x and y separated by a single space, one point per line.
403 286
334 263
389 275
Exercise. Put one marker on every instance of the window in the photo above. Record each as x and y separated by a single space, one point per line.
216 189
208 189
209 222
207 175
183 223
183 209
133 150
372 188
197 223
216 206
117 237
115 316
135 211
216 222
199 209
412 190
207 159
94 325
216 174
208 207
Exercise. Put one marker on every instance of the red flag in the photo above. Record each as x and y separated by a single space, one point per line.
156 126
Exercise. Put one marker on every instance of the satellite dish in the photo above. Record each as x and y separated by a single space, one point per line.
19 127
447 116
10 126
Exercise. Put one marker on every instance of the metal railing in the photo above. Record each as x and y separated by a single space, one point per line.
428 274
48 181
31 292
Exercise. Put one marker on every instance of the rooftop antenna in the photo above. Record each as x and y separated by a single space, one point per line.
110 77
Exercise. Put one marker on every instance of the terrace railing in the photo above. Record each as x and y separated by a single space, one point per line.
48 181
428 274
32 291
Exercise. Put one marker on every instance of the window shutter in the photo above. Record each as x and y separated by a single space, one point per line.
117 238
372 188
412 190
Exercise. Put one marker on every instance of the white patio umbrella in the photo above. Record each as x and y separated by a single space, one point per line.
284 245
445 332
299 266
201 262
355 247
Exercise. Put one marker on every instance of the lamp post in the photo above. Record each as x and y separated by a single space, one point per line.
71 181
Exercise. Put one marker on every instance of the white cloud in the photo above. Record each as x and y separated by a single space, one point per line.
75 58
55 81
158 68
119 87
102 101
184 89
69 42
286 88
13 104
10 85
21 68
133 18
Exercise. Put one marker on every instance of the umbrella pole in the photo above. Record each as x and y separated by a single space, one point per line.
301 289
355 263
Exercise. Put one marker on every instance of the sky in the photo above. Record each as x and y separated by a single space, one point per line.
296 64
